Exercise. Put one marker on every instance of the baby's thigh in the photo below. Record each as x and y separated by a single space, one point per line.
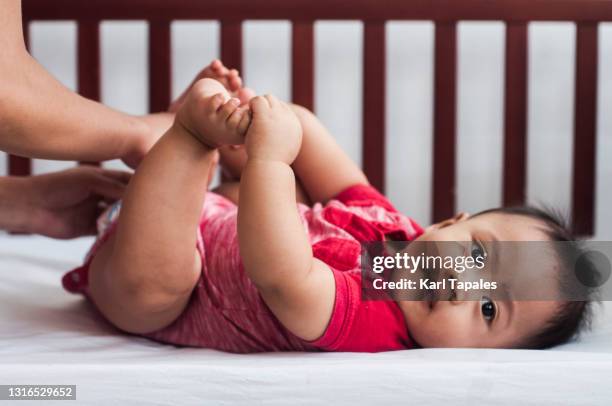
104 294
229 190
126 308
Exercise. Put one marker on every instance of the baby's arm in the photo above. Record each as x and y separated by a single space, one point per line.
142 278
274 246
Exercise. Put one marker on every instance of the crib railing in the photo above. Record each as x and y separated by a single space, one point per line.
374 13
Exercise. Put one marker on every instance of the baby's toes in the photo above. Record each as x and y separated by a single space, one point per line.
245 94
218 68
216 64
234 81
209 71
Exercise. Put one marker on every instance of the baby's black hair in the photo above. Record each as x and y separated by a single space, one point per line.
573 316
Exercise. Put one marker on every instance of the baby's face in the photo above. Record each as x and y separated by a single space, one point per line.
484 323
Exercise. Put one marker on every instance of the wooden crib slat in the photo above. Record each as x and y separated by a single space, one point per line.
444 141
373 151
583 194
159 65
302 64
17 165
231 44
231 49
434 10
515 120
88 59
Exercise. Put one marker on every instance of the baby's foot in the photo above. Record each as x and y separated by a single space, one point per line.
229 78
212 116
245 94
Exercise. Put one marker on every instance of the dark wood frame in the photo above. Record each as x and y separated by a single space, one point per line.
374 13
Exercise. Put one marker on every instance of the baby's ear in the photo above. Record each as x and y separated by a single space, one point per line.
461 216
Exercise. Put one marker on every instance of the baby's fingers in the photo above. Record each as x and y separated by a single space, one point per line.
229 108
237 117
272 100
213 104
245 121
259 103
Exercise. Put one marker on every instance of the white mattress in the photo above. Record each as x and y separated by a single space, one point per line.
48 336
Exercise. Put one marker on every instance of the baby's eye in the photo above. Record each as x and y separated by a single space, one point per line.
478 250
487 308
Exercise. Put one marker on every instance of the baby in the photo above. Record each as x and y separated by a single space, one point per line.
246 269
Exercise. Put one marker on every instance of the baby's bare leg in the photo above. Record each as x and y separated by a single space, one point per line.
142 278
323 168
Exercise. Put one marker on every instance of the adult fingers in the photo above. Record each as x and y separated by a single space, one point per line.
108 188
121 176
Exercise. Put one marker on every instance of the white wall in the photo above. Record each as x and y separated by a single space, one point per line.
409 97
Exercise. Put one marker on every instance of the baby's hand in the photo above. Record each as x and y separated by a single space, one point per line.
275 132
212 116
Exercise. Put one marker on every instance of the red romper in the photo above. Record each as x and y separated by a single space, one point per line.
226 312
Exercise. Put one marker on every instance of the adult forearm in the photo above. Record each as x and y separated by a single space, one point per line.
41 118
273 242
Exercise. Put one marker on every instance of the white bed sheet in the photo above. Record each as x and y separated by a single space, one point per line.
48 336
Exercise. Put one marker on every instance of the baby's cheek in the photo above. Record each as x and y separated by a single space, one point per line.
450 325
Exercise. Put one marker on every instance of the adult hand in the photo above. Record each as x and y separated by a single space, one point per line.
156 125
66 204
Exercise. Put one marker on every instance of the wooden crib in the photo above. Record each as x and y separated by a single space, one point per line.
374 14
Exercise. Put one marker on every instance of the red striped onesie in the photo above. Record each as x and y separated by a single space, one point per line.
226 312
